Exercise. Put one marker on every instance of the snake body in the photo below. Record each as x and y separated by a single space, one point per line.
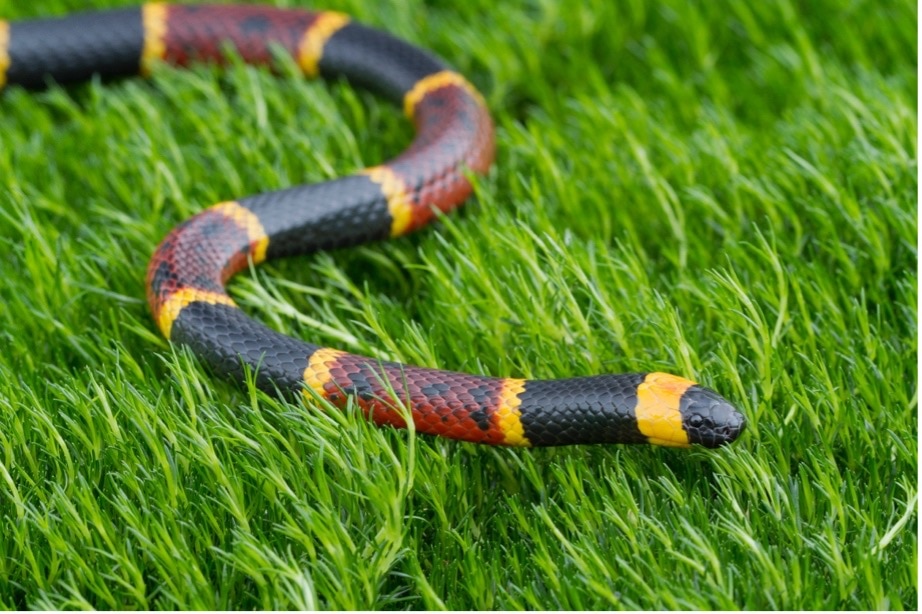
454 136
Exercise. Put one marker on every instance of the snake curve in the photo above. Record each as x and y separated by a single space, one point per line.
454 136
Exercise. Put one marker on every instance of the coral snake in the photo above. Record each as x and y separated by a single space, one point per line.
454 137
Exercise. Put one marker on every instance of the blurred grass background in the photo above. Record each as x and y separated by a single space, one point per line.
724 190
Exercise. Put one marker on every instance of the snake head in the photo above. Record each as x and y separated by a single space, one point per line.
709 419
674 411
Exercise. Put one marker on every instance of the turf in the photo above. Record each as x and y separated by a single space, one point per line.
724 190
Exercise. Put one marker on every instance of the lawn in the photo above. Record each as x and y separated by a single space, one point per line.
722 190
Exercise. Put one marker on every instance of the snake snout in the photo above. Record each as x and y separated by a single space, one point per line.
709 419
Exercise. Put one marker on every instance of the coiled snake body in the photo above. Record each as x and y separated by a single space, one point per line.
454 136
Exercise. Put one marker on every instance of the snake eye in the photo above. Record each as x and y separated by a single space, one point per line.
695 421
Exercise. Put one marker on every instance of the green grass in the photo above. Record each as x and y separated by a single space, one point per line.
724 190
